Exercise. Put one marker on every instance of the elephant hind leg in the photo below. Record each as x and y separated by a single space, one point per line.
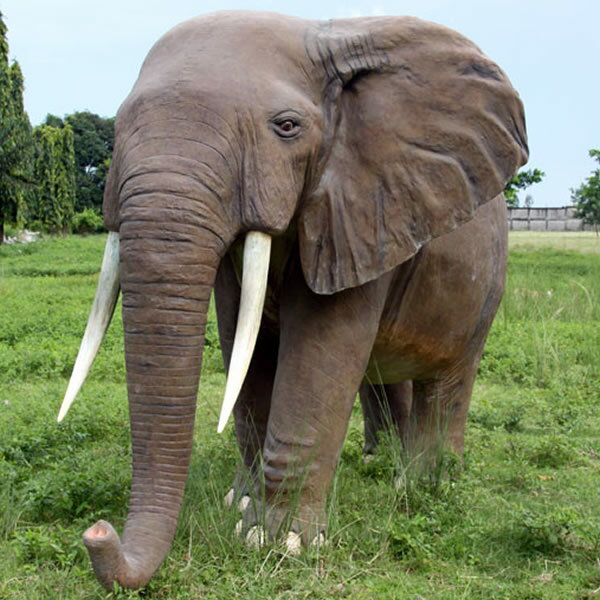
439 414
385 407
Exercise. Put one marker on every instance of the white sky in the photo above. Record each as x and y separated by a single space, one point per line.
82 55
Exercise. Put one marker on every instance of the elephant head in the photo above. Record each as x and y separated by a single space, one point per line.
362 138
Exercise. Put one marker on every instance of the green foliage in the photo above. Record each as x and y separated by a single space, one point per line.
42 545
498 417
587 196
54 172
522 180
552 452
15 139
87 221
85 486
548 532
93 142
410 540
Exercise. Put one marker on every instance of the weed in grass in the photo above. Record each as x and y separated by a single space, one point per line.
54 546
78 486
553 452
411 540
10 508
418 485
509 418
549 532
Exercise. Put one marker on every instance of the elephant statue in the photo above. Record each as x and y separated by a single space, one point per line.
338 185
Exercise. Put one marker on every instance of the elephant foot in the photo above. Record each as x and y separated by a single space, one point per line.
368 458
256 537
229 500
261 524
239 492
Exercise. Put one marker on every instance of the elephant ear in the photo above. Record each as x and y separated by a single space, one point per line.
424 129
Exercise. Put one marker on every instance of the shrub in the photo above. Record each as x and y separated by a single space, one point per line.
87 221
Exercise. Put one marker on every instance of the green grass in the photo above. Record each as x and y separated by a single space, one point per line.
582 241
519 521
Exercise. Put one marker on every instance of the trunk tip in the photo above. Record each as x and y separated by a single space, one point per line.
106 553
102 532
97 531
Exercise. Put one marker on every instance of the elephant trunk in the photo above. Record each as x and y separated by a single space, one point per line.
167 273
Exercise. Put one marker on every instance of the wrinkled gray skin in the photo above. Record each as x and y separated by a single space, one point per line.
354 144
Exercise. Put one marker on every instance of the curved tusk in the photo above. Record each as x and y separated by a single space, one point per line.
257 252
107 293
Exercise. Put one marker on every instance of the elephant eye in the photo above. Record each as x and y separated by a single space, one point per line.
286 128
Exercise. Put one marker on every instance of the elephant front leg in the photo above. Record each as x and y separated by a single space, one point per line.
325 343
251 414
251 410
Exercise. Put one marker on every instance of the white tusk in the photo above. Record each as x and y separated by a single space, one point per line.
257 251
107 293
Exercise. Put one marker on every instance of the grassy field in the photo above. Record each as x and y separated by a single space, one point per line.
520 521
582 241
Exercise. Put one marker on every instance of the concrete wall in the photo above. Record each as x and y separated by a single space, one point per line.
545 219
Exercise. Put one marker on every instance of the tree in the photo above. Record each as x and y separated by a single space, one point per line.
587 196
93 140
54 172
522 180
15 138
